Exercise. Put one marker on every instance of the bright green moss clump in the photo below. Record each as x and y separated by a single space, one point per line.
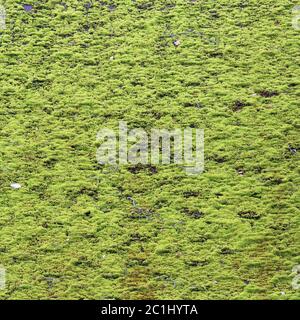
72 230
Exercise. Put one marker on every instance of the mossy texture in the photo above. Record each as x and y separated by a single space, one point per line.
79 230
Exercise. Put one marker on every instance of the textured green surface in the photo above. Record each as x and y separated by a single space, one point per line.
72 231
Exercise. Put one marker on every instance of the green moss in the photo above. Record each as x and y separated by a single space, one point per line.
72 231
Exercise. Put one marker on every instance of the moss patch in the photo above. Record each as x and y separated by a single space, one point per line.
76 229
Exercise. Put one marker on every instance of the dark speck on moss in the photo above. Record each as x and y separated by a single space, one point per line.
27 7
292 149
239 105
268 93
251 215
87 5
112 7
196 214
